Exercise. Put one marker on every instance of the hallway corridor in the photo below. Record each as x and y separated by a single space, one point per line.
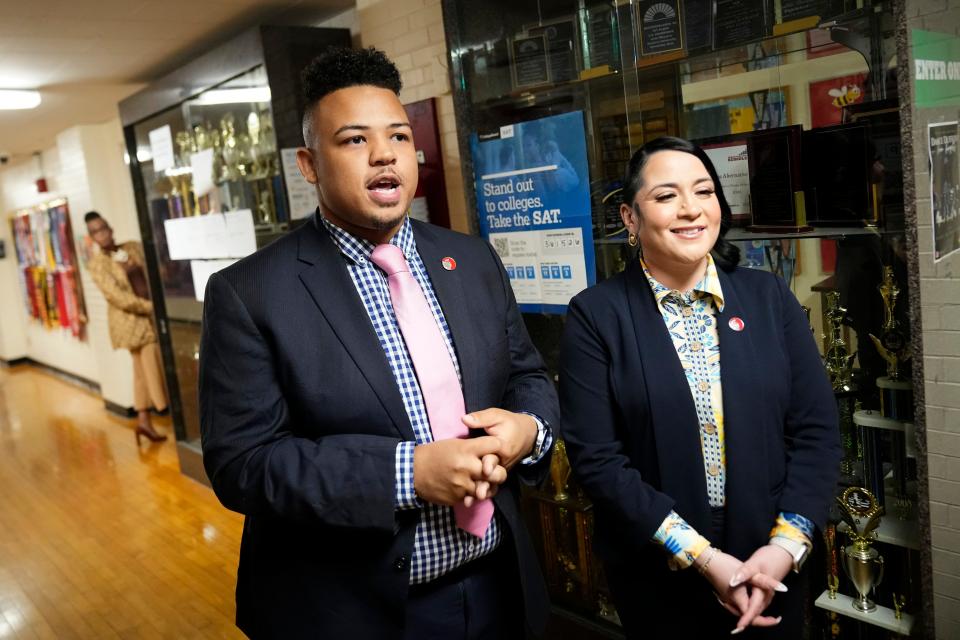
97 539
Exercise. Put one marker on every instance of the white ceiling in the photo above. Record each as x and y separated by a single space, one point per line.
84 56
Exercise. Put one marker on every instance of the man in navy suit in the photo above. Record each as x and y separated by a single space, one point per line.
317 424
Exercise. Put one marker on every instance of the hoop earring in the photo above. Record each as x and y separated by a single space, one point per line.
632 240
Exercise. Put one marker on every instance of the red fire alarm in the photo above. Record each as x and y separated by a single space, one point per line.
41 185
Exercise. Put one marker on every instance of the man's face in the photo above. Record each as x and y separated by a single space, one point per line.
363 161
101 232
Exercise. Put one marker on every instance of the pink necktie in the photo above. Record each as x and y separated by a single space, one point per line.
431 360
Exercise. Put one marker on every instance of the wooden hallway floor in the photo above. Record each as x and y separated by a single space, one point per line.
99 539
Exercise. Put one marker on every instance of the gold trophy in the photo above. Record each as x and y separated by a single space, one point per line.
229 152
560 471
833 580
861 562
838 360
187 147
892 344
899 602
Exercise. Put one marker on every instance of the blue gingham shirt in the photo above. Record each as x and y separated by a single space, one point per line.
439 546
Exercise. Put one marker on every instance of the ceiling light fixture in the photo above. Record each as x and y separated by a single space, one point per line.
19 99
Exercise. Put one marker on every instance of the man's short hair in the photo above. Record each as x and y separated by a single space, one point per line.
91 216
339 68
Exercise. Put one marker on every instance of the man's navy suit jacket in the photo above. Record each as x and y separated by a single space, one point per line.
301 416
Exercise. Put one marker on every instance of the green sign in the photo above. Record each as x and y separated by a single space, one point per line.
936 60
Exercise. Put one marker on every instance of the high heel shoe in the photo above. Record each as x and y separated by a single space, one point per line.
149 434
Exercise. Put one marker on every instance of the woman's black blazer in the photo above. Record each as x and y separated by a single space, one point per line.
632 432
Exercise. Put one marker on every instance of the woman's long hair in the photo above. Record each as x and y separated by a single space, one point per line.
725 253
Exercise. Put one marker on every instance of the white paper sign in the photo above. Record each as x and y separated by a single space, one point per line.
202 165
202 270
182 241
161 148
211 236
544 267
240 238
733 168
419 210
301 195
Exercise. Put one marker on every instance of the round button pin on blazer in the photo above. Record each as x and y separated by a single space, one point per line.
736 323
449 263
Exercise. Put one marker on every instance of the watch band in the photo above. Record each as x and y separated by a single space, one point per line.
541 438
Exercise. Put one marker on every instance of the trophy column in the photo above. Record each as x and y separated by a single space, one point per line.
886 484
574 577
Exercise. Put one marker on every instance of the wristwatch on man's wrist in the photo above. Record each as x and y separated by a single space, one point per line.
541 441
797 550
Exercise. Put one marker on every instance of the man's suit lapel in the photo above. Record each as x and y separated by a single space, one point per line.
333 291
449 289
672 413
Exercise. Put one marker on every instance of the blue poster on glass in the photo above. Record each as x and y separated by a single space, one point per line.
533 196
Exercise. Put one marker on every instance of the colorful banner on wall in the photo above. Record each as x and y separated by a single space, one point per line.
944 188
47 267
533 196
936 61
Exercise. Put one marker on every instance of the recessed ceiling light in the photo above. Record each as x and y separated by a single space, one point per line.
18 99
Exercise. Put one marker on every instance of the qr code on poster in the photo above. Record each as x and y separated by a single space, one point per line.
502 247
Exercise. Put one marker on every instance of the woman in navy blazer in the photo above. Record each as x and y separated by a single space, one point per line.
697 417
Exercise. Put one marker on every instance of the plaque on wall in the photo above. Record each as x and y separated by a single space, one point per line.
698 24
738 22
530 67
797 9
602 47
775 180
561 38
488 70
661 30
836 176
886 161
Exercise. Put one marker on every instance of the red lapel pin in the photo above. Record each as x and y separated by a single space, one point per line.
736 323
449 263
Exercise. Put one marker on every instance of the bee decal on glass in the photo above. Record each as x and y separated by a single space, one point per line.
847 94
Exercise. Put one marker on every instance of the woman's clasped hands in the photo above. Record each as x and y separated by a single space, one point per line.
745 589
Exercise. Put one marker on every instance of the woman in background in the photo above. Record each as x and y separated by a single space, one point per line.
120 275
697 416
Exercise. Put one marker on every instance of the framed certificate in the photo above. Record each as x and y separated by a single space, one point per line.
731 159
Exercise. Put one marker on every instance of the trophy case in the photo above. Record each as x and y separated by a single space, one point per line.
208 146
796 104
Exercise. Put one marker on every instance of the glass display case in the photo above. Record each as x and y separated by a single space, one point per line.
206 140
796 103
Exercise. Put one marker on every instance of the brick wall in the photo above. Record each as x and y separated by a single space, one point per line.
411 33
940 320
